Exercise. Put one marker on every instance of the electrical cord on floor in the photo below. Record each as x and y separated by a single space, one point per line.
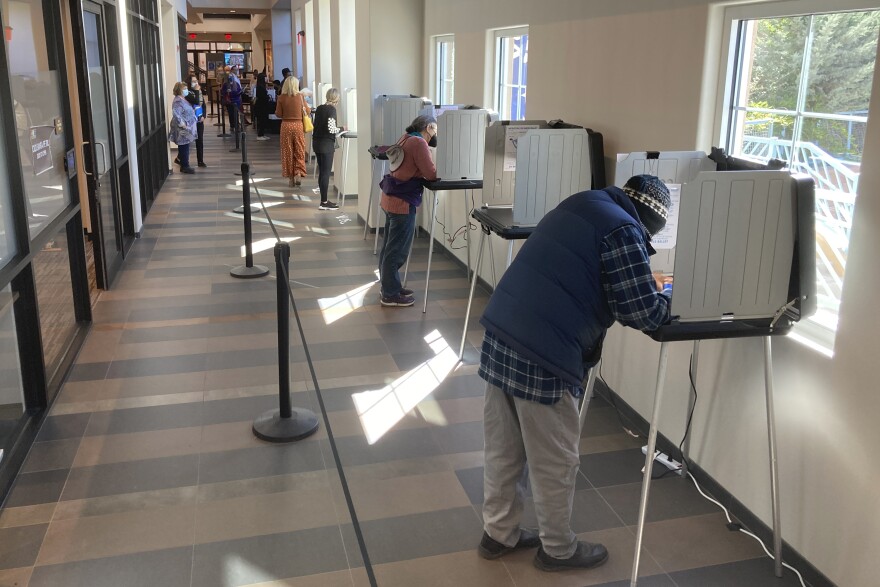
730 523
620 416
330 437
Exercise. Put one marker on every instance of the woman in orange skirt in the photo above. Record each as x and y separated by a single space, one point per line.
291 108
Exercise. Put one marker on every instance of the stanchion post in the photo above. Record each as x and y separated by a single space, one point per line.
284 424
248 270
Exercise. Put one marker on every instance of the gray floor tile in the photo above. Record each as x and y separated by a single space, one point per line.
264 461
464 437
157 366
88 372
61 427
131 477
165 568
472 482
652 581
395 445
613 468
747 573
36 488
145 419
50 455
234 563
20 546
422 535
671 497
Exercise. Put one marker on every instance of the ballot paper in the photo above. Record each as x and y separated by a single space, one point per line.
512 134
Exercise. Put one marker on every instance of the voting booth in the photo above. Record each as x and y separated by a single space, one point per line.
350 110
529 166
673 168
461 136
744 266
390 117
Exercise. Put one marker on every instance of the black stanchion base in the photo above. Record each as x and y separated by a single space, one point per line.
254 209
224 135
245 272
238 173
271 427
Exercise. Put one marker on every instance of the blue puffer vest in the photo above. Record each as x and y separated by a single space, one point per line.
550 306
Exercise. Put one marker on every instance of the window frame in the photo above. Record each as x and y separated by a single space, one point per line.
497 74
811 331
439 79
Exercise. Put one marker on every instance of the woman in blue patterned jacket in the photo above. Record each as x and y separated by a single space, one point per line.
183 129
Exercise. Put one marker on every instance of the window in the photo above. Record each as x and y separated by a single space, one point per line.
444 51
511 72
799 92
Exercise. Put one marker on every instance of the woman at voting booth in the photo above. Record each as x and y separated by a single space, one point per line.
291 108
324 144
410 162
584 266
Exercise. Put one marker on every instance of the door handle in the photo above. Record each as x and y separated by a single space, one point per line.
86 171
103 155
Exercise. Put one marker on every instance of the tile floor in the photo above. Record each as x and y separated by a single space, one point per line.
146 473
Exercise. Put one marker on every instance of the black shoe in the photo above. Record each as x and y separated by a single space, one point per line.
332 206
491 549
202 164
406 292
177 160
187 170
586 556
398 300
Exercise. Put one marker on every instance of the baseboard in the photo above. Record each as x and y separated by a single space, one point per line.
749 520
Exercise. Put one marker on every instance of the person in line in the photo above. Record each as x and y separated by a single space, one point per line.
291 108
222 77
285 73
261 108
233 100
197 101
324 144
183 129
401 196
584 266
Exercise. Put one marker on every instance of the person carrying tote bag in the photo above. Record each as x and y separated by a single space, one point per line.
293 112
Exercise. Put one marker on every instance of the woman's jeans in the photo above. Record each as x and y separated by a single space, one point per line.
395 248
183 155
325 165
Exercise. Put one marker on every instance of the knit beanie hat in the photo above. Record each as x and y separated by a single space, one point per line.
651 198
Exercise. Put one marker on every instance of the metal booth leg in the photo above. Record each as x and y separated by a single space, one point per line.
467 232
774 468
467 313
686 447
509 252
649 459
430 247
588 392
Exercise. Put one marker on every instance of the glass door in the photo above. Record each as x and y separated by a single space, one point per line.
100 149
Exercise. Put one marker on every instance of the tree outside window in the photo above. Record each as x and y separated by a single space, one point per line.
802 87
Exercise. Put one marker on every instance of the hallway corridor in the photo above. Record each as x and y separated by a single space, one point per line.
146 473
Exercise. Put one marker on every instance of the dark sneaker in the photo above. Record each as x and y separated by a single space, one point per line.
329 206
406 292
398 300
586 556
491 549
202 164
187 170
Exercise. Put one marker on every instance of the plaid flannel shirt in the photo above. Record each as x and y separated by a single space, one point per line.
634 301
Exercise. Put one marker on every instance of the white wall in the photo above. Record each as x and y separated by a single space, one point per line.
282 45
644 73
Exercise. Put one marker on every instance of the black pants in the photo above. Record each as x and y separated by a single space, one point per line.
261 119
325 165
200 142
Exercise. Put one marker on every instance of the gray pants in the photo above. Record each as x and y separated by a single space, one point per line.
518 431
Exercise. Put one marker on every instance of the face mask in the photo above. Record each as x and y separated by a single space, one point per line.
433 141
185 92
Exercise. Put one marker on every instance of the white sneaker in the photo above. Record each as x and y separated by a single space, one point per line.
328 206
263 138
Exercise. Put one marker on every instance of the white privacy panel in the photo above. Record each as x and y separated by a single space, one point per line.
461 138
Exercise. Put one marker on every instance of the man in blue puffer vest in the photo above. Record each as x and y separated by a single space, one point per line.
584 266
